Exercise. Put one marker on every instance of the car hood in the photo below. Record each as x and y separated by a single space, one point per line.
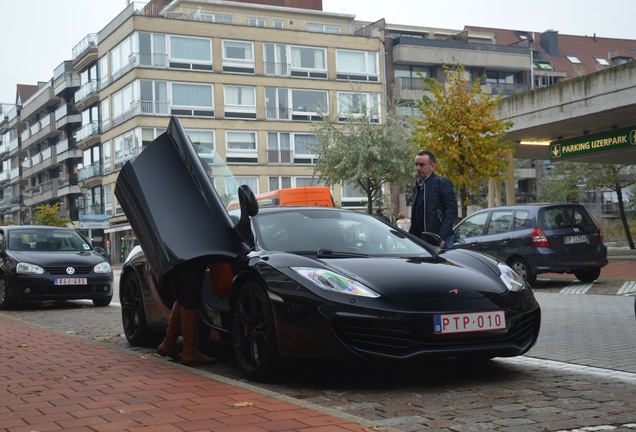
66 258
172 206
421 279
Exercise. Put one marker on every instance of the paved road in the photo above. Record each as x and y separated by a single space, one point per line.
580 374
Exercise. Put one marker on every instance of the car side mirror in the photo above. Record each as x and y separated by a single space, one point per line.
249 207
432 238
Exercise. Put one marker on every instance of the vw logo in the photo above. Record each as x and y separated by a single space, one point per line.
70 270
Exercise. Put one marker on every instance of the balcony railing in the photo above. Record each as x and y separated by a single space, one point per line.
90 171
87 89
87 130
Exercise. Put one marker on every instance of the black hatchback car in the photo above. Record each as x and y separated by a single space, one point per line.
51 263
537 238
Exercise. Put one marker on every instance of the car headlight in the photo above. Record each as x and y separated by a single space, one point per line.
102 267
513 281
28 269
332 281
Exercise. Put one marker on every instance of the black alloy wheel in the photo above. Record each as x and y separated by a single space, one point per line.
5 300
133 315
253 334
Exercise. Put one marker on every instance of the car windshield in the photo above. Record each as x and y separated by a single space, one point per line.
47 240
329 232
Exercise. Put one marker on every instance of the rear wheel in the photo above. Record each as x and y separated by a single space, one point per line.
522 268
589 275
253 333
133 315
5 301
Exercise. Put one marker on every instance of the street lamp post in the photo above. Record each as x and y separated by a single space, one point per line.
84 190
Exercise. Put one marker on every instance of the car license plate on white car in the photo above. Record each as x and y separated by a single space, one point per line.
71 281
575 239
469 322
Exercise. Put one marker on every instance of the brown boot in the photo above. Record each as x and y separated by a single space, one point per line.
190 328
168 347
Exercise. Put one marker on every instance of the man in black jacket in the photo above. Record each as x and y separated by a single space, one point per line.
434 202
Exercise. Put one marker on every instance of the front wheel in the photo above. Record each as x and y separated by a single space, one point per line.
522 268
588 275
253 333
6 302
133 315
103 301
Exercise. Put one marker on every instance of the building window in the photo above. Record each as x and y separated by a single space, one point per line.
305 148
359 105
357 65
219 18
238 56
276 183
295 61
192 100
126 148
295 104
240 102
278 24
153 97
573 59
352 195
124 104
603 62
241 147
323 28
251 181
190 53
256 22
278 147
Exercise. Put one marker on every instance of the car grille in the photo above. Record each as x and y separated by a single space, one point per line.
396 339
61 270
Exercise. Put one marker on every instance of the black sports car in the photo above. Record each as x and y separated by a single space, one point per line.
51 263
309 282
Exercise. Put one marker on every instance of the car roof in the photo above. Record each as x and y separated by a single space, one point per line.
37 227
528 206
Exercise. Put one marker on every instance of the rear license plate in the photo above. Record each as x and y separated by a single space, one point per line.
575 239
71 281
469 322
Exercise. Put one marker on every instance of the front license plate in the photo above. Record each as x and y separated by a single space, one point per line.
575 239
71 281
469 322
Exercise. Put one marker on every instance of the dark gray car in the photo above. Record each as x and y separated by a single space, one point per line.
537 238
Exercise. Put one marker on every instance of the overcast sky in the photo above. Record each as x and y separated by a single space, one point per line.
37 35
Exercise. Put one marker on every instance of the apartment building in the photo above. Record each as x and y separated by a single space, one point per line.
247 78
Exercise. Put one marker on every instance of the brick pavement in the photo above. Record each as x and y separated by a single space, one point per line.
51 381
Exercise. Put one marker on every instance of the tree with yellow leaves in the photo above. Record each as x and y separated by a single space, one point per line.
49 215
459 127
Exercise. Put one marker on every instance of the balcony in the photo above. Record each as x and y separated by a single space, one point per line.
42 99
64 151
93 171
87 95
419 51
66 115
88 135
65 79
39 131
85 52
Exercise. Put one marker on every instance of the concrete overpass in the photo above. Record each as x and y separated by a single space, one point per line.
587 109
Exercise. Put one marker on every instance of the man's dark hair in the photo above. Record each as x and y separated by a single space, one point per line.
431 156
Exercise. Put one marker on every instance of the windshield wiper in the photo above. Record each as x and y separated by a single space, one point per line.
328 253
